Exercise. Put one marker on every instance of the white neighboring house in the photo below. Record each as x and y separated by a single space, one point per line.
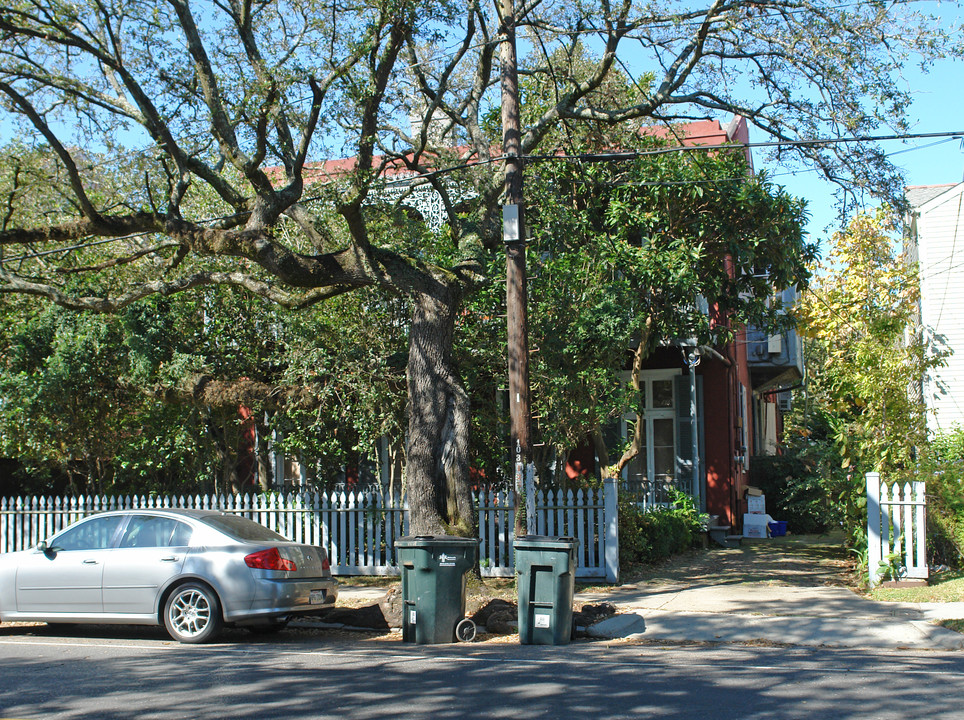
935 239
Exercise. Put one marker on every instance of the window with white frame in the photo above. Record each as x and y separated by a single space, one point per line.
654 468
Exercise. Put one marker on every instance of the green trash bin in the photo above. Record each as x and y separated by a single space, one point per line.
434 570
546 576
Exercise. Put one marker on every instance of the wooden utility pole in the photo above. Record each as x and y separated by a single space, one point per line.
513 234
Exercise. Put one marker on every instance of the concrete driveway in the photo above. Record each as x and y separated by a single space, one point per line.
781 591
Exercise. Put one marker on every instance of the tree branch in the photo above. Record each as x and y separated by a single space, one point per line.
10 283
76 183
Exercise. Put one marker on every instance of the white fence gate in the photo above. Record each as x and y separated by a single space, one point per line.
896 528
358 529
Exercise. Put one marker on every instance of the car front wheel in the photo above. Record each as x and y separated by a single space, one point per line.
192 613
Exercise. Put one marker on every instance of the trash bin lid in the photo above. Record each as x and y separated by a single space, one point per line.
419 541
545 542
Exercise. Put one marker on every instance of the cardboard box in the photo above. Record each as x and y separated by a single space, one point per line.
756 525
755 531
756 504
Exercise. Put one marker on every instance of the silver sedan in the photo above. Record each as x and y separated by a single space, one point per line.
189 570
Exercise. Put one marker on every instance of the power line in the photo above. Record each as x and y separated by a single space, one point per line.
816 142
922 147
414 176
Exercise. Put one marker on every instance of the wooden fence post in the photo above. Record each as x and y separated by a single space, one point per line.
920 501
874 555
611 489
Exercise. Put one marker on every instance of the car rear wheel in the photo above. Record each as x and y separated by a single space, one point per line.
192 613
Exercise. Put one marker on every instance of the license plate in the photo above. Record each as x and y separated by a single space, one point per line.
316 597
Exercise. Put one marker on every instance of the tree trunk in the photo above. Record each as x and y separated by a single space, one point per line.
437 467
639 357
229 474
263 455
602 453
228 458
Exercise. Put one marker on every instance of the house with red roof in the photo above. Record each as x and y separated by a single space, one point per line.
741 394
707 410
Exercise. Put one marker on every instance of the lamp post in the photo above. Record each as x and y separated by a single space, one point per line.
692 362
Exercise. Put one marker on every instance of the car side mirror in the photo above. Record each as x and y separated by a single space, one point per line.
45 549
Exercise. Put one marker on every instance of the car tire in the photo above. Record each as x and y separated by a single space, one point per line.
192 613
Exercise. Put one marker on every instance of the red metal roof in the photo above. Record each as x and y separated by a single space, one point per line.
698 132
705 132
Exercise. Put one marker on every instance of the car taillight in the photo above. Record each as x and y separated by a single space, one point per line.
269 559
325 565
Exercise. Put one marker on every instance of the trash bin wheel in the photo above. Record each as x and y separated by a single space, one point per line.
465 631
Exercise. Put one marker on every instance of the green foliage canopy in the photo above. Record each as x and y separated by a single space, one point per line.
176 142
860 413
629 253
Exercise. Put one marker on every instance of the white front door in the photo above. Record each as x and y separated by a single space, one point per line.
654 468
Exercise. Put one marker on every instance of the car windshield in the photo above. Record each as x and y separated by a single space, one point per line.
243 529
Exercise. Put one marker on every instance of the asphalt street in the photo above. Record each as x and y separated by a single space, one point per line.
765 631
137 673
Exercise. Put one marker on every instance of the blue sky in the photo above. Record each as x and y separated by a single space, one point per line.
938 106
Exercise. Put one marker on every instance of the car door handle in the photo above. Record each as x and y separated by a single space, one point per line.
170 558
90 561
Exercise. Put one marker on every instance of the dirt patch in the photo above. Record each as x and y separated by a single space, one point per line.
492 606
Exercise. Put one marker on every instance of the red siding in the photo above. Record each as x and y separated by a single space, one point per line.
717 414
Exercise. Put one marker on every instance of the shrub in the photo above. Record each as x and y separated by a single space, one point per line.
647 536
942 468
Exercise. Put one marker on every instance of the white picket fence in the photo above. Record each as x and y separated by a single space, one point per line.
358 529
896 526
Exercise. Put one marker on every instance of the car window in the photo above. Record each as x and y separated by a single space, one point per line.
93 534
153 531
242 529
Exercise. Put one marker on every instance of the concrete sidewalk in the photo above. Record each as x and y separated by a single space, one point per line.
354 595
799 608
784 591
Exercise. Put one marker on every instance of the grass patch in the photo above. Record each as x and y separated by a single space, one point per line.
945 587
955 625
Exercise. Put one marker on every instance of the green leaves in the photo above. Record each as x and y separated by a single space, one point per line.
73 409
626 252
860 364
